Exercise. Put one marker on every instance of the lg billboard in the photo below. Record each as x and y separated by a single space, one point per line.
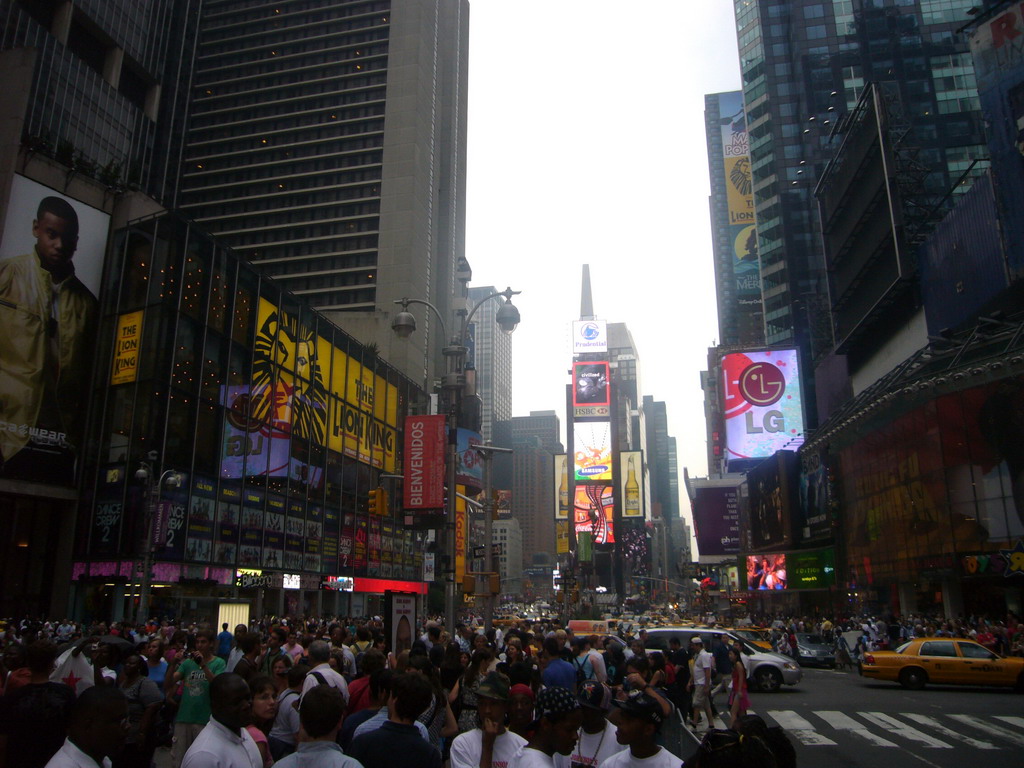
763 403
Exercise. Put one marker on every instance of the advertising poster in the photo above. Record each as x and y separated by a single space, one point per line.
229 516
812 570
461 537
593 512
469 467
716 520
589 336
315 537
763 403
295 529
561 479
766 572
126 348
273 533
250 544
562 537
199 544
330 543
48 342
739 196
771 488
401 625
814 496
632 484
591 391
425 443
592 443
359 543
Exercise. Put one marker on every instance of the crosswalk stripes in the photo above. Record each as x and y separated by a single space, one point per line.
949 733
993 730
932 731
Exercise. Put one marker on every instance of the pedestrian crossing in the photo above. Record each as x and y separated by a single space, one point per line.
899 730
895 731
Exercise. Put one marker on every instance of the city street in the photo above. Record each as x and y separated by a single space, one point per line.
841 720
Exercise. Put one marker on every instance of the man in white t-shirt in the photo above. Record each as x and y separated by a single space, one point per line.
700 682
642 716
596 739
322 674
490 744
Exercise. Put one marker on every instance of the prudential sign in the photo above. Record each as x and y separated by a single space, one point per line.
589 336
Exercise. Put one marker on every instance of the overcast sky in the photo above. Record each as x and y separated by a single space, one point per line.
586 146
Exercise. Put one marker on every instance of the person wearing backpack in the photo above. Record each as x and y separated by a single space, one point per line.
581 663
321 673
284 734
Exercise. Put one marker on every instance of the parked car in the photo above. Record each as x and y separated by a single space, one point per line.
766 671
945 661
812 650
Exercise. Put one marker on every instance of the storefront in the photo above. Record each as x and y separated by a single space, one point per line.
275 424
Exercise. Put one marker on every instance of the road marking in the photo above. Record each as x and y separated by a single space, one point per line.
842 722
1018 721
931 722
800 728
894 726
988 728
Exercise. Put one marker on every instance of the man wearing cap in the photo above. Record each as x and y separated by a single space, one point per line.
700 682
490 744
597 740
558 722
642 716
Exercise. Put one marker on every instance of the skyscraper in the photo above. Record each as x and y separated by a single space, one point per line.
492 358
327 146
804 64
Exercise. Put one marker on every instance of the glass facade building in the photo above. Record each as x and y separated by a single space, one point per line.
278 421
804 64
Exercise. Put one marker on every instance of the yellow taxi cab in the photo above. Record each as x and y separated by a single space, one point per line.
943 660
506 620
754 635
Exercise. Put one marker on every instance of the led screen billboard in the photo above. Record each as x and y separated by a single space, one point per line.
561 481
592 443
812 570
591 392
592 513
772 490
766 572
763 403
48 342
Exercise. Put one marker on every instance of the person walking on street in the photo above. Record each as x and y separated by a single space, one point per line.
700 683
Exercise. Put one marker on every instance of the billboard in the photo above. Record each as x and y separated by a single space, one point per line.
304 391
815 495
591 392
716 520
592 512
763 403
812 570
589 336
631 484
561 480
424 462
772 496
49 321
739 196
592 443
766 572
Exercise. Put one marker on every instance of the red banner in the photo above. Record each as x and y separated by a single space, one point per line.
424 462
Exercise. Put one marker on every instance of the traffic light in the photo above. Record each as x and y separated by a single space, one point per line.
374 504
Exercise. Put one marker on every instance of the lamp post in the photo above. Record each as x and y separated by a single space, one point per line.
453 384
487 452
145 474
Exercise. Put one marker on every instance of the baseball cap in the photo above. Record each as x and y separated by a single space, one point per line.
555 700
697 639
640 705
494 686
595 695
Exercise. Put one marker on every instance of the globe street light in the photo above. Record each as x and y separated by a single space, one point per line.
453 383
146 475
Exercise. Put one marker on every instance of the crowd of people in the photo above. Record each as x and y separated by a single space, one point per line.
310 692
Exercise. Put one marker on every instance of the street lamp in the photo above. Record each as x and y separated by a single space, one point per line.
453 384
146 475
487 452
